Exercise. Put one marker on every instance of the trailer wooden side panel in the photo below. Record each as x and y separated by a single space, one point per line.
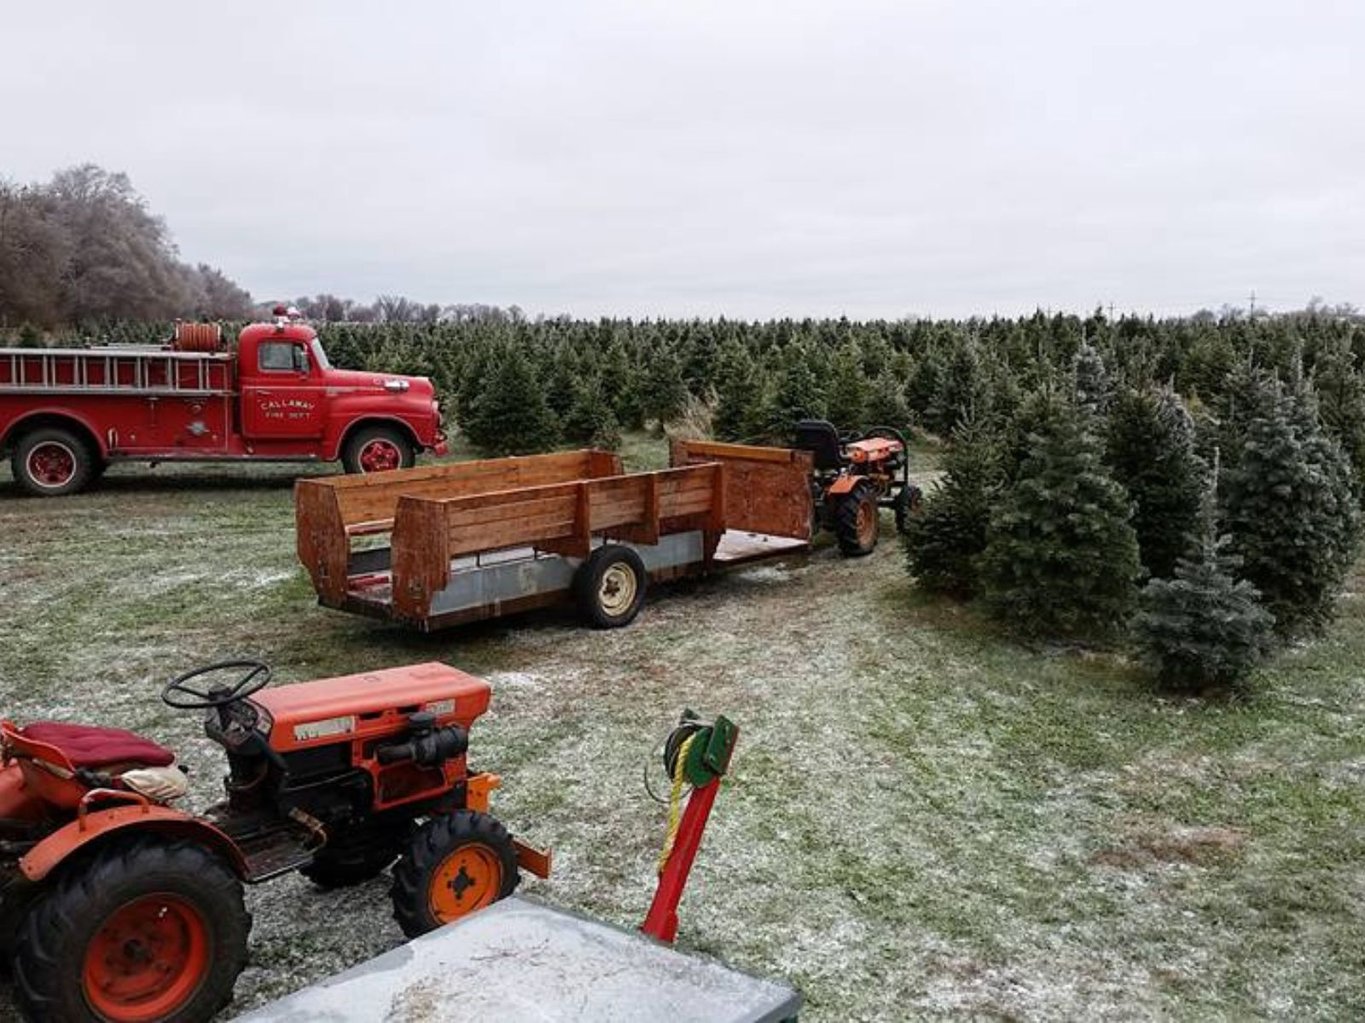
330 511
767 490
557 518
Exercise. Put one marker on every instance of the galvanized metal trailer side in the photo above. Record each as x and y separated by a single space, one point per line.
483 539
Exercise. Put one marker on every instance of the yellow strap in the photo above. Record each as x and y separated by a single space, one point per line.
675 801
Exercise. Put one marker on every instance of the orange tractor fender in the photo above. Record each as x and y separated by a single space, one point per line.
95 825
843 485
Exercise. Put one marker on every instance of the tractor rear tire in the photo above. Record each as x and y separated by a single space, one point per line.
52 462
144 929
344 864
377 449
610 586
857 521
456 863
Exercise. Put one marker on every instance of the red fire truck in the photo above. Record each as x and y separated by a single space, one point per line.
66 413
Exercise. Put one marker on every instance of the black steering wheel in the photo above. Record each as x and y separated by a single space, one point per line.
255 676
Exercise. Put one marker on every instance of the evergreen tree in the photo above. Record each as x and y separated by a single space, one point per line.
962 389
848 390
622 381
590 419
944 541
1290 510
1093 389
663 390
1151 451
1060 556
886 404
739 396
1204 627
511 416
1341 401
798 396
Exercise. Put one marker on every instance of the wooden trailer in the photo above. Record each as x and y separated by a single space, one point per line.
440 545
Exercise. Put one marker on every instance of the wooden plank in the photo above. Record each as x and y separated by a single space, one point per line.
767 490
579 542
321 540
421 556
693 452
373 497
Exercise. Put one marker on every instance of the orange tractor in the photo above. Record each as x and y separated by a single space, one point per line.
855 475
118 907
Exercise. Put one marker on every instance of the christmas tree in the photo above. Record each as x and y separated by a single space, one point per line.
1060 556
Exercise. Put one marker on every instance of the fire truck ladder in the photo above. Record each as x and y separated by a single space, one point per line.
61 371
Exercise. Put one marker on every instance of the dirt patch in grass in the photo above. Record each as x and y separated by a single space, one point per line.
1196 846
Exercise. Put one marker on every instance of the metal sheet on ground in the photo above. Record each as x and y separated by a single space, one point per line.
520 960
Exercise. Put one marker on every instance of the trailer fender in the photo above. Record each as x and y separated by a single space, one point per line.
843 485
96 825
63 418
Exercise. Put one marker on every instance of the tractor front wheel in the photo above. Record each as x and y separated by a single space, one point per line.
857 520
456 863
145 930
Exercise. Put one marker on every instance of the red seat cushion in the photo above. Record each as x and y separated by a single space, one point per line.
91 746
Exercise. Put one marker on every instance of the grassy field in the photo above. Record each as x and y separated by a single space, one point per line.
925 819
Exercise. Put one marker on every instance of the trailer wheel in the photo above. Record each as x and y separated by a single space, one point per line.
144 930
377 449
856 521
456 863
610 586
51 462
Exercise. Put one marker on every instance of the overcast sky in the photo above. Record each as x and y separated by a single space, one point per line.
748 159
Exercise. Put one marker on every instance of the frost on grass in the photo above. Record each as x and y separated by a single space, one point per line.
921 820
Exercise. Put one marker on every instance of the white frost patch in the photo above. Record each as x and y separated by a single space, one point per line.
766 574
513 680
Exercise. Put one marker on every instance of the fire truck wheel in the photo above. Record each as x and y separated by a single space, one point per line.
377 449
51 462
856 521
144 930
610 586
456 863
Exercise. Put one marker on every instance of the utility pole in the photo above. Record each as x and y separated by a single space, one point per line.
1251 310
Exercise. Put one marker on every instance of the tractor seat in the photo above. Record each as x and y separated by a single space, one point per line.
92 746
821 439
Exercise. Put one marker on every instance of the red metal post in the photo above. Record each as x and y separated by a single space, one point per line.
661 921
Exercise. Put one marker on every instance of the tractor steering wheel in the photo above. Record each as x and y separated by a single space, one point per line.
182 696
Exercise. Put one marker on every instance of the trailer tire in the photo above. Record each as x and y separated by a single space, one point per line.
610 586
182 910
377 449
856 521
51 462
455 864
